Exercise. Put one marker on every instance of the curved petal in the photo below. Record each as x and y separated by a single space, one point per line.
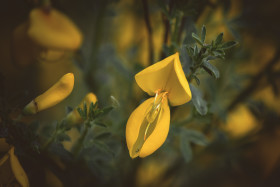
155 76
53 30
17 169
136 129
159 135
177 85
166 75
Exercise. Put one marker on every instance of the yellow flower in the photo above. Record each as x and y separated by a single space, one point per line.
53 30
58 92
148 125
47 35
240 122
13 170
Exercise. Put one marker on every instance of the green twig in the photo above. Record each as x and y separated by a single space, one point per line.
79 145
253 85
150 32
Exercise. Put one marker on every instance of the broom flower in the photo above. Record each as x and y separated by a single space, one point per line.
148 125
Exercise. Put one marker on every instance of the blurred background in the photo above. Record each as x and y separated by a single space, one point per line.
231 139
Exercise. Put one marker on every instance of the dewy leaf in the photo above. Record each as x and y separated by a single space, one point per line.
203 33
197 39
197 100
212 70
196 137
228 45
185 147
219 39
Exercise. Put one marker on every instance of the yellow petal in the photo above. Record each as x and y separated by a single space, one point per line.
4 159
17 169
137 144
53 30
58 92
168 76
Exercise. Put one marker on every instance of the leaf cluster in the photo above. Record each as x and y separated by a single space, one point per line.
93 114
202 53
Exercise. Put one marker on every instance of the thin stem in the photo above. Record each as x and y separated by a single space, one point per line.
79 145
49 142
150 31
253 85
182 26
166 27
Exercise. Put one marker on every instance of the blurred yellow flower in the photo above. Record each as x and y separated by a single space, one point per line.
11 170
47 35
240 122
148 125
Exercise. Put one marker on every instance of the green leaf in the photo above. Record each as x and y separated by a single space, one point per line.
81 112
212 70
100 124
197 39
106 110
103 147
190 51
115 102
102 135
63 137
91 111
219 39
85 109
203 33
185 147
228 45
211 58
196 137
195 53
196 79
197 100
68 109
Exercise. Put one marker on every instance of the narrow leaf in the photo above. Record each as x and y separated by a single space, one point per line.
85 109
100 124
196 137
185 147
197 100
195 50
103 135
197 39
203 33
81 112
228 45
212 70
196 79
219 39
106 110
